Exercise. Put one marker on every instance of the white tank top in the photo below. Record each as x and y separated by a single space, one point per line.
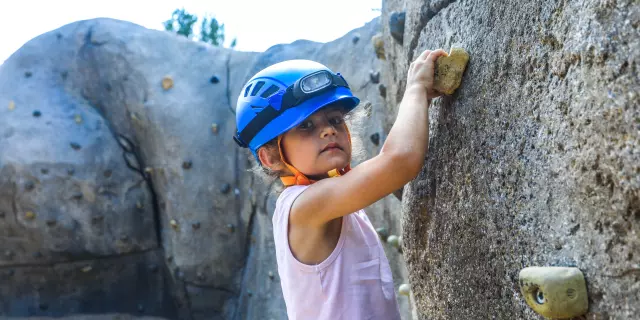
354 282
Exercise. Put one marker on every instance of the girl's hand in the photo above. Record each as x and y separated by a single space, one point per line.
421 73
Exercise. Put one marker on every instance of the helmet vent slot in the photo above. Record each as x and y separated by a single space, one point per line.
256 88
271 90
246 90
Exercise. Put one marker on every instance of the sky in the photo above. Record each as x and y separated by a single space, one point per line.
256 24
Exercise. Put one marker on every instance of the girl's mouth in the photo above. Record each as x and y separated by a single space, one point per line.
331 146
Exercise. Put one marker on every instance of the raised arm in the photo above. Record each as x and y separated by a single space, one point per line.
399 161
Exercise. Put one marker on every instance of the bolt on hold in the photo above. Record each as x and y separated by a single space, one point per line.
404 289
29 215
174 224
187 164
12 105
554 292
214 80
214 128
382 89
375 138
77 118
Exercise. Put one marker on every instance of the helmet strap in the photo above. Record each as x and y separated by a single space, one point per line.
298 177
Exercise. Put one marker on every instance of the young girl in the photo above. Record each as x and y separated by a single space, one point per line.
330 259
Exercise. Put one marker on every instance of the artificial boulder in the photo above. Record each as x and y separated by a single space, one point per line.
533 161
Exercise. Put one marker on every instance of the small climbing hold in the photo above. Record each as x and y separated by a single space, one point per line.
231 228
174 224
382 233
195 225
374 76
86 269
383 90
77 196
404 289
214 128
77 118
449 70
187 164
75 146
393 241
554 292
139 205
396 25
37 113
12 105
214 80
29 215
375 138
271 275
29 185
28 74
148 170
167 83
249 293
378 46
236 191
51 222
356 38
225 188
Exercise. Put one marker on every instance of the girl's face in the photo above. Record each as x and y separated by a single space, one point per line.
319 144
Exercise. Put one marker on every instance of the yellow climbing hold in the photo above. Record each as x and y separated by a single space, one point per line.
148 170
554 292
78 118
167 83
12 105
86 269
449 70
404 289
174 223
214 128
29 215
378 45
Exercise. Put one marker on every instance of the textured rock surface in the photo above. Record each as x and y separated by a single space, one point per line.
534 160
121 191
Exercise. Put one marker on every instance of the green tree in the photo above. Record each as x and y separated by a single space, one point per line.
211 31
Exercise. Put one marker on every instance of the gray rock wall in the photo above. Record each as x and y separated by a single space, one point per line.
534 161
121 190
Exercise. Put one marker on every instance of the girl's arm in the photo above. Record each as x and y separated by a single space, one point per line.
399 161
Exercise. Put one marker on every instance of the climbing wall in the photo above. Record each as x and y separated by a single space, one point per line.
121 190
533 161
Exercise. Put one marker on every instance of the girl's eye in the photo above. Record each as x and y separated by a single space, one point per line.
307 124
336 120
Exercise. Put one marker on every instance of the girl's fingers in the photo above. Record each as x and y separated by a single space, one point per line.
434 55
424 55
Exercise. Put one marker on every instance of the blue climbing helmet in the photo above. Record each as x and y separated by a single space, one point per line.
281 96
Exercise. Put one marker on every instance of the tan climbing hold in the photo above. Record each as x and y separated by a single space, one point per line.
404 289
214 128
174 224
86 269
449 70
167 83
378 46
29 215
12 105
148 170
78 118
554 292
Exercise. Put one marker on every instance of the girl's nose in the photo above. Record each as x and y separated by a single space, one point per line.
327 130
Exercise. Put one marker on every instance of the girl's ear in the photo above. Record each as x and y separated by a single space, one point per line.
268 160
